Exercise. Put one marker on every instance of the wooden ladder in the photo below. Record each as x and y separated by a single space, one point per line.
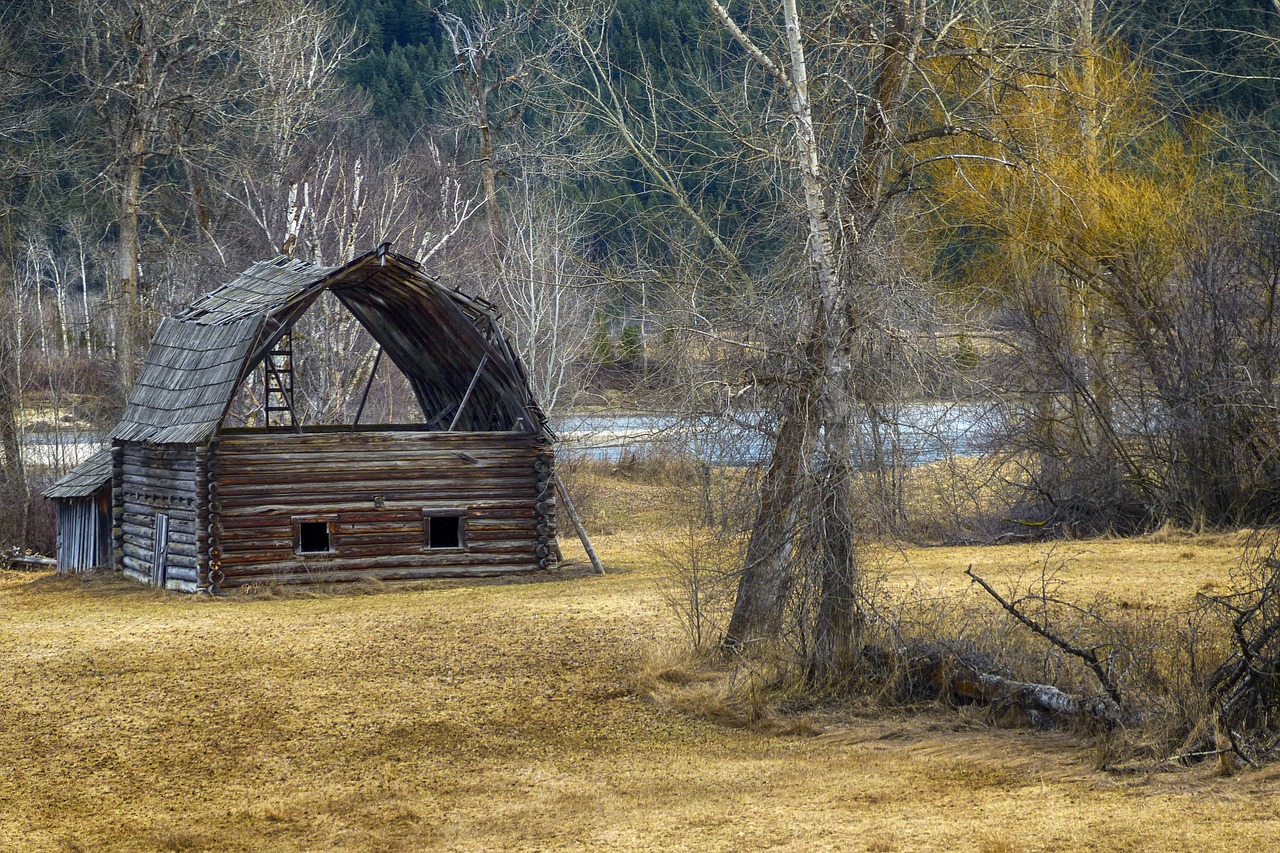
277 402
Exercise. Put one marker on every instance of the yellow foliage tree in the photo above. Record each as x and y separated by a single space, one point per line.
1088 219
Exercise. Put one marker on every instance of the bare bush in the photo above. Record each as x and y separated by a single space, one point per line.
1139 685
1171 413
699 583
1244 690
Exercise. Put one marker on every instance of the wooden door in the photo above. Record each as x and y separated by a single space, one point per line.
160 551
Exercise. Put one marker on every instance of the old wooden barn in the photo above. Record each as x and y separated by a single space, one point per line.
197 505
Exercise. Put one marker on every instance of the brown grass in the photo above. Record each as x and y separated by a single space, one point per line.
509 717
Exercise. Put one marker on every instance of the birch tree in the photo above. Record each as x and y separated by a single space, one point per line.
546 293
839 202
21 123
826 117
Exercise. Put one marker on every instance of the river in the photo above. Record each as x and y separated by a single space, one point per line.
926 432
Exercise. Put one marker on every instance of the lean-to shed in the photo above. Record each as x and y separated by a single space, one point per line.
83 504
467 491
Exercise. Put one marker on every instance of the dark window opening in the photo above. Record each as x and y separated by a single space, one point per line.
313 537
444 531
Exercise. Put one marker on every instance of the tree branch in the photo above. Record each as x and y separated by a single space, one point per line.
1090 659
722 15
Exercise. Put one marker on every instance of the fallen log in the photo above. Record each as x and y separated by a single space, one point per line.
990 689
935 673
32 562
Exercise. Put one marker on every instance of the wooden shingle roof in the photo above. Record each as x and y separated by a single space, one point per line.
84 479
189 377
438 338
263 289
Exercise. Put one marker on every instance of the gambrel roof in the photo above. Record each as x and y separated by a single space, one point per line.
440 339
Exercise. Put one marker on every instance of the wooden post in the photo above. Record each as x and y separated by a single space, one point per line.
484 359
577 525
373 371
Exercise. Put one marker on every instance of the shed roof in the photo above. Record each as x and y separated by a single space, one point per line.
84 479
440 339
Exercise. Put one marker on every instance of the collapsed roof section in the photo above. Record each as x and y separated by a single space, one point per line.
448 345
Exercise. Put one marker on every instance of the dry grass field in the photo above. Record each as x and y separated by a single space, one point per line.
506 717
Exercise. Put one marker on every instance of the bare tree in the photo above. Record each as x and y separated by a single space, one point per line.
494 62
546 293
887 68
835 317
174 85
20 123
1138 330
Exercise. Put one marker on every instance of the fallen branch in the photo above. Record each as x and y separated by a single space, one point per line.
1090 659
32 561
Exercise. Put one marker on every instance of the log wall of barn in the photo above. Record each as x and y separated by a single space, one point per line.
370 495
150 480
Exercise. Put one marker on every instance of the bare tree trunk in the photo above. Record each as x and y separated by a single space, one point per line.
84 292
127 256
488 173
60 303
13 481
9 404
838 633
829 416
767 567
35 273
1093 329
473 42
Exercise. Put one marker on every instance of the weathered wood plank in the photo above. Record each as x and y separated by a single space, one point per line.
180 519
175 535
140 552
427 498
392 575
174 466
305 478
373 518
142 516
144 481
252 562
144 557
281 460
280 548
268 448
135 569
356 483
337 574
375 488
